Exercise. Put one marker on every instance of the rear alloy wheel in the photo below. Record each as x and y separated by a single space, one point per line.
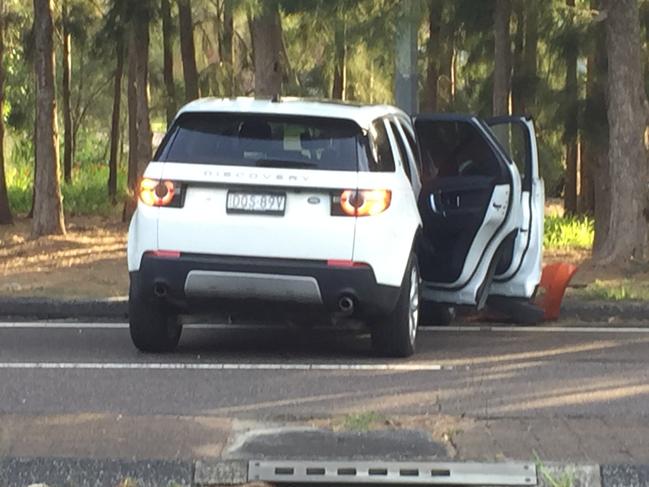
396 333
154 327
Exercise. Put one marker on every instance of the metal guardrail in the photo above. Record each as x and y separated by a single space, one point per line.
379 472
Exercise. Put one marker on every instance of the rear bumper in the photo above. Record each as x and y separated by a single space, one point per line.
196 283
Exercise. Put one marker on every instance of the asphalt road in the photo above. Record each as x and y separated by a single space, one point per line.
471 372
70 371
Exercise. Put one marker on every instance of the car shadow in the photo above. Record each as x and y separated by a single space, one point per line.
274 341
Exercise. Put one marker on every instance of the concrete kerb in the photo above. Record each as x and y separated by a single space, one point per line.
587 310
117 309
202 473
87 472
49 308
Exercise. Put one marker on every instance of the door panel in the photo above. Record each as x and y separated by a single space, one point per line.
465 204
452 210
523 273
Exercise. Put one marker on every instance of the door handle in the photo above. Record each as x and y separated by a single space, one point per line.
497 206
433 205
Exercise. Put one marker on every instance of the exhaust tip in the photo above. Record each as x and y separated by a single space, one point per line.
160 290
346 304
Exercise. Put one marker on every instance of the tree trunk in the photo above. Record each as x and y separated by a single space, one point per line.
447 65
48 207
132 112
67 110
140 135
114 130
592 140
433 52
5 210
627 116
267 45
30 215
596 127
502 53
227 45
571 121
144 136
187 49
76 111
340 57
530 58
518 64
167 61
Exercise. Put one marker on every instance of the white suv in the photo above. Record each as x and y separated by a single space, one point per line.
301 207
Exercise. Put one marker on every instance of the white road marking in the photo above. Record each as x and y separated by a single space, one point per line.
409 367
536 329
54 325
59 325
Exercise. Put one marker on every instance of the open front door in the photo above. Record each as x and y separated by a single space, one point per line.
469 205
519 271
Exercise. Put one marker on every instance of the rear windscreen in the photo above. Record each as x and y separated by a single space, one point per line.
265 141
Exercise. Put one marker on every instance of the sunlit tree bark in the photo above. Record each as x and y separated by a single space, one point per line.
48 205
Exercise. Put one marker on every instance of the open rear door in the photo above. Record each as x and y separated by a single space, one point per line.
519 271
469 205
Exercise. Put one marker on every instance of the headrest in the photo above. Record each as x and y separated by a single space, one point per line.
255 129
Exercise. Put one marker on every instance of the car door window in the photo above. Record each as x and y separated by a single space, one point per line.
457 149
410 138
383 159
403 153
515 142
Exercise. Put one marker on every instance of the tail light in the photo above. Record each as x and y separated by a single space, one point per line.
368 202
154 192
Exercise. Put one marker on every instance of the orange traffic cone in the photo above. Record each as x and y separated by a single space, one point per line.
554 281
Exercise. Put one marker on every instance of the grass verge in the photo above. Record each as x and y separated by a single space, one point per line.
86 195
623 289
563 232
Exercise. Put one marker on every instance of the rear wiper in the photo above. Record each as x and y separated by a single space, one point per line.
284 163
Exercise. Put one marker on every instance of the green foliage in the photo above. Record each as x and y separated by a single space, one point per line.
563 232
86 195
361 421
617 289
565 477
129 482
19 187
19 84
88 192
369 38
92 148
308 29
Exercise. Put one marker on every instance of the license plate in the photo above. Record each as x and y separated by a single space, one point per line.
262 203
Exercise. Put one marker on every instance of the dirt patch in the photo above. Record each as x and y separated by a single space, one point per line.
554 207
89 261
441 427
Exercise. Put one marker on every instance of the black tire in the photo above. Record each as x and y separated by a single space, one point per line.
394 335
154 327
434 314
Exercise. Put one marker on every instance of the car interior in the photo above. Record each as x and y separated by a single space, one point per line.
459 173
302 142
